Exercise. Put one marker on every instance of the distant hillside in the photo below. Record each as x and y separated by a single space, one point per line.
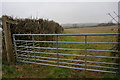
107 24
79 25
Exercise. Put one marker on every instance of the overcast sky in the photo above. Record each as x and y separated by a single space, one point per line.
62 12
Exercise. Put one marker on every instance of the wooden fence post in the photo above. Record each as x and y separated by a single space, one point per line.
9 54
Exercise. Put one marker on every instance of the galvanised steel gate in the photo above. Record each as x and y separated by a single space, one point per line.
75 51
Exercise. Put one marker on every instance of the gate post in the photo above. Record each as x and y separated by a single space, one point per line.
86 52
8 53
118 46
57 50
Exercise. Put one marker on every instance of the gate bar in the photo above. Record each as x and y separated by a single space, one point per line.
69 49
69 54
74 60
100 34
68 67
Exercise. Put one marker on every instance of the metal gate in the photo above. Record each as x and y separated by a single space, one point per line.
75 51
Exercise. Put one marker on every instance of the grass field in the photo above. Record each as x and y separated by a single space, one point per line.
23 70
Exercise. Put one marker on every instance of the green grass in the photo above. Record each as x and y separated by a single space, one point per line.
30 71
22 70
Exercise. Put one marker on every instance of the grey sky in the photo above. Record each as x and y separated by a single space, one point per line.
62 12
